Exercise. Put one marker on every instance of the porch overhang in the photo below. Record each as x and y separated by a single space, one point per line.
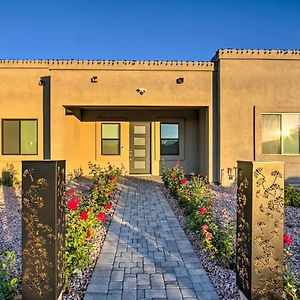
126 113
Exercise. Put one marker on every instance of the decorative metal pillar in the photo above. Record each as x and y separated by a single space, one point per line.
43 229
260 213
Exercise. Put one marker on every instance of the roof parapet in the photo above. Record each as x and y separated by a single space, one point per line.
108 64
256 54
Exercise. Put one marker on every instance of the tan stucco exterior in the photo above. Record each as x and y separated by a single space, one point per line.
218 107
252 82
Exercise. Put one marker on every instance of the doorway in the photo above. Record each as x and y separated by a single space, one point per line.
139 148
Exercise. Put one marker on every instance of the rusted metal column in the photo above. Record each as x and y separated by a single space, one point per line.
43 229
260 213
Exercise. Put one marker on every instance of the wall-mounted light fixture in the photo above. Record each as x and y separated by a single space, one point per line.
94 79
141 91
41 82
180 80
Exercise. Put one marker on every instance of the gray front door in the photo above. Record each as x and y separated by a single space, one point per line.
139 149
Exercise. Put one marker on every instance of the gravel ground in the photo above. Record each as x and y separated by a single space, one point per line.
224 280
10 231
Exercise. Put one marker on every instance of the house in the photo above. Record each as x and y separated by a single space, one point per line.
241 105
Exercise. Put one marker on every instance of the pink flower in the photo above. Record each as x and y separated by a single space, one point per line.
204 227
83 215
287 239
208 235
101 216
108 205
183 180
203 210
71 191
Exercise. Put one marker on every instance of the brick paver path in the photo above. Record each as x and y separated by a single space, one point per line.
146 254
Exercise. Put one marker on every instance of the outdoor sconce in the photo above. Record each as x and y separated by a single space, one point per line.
180 80
141 91
41 82
94 79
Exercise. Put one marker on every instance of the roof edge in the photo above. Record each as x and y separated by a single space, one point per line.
256 54
105 64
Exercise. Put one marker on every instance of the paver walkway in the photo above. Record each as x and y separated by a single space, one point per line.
146 254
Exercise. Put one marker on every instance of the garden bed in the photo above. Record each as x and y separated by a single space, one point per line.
224 208
11 226
208 215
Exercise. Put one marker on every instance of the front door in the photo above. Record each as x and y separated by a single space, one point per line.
139 149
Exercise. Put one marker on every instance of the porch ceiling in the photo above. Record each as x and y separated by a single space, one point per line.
130 113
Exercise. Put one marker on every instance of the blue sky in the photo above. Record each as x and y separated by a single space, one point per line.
144 29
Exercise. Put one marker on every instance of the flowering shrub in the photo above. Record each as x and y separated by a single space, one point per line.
197 199
291 281
84 215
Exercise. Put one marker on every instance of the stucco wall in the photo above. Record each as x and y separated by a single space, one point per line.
76 141
243 85
21 98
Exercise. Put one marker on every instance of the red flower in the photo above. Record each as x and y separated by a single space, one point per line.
73 203
287 239
203 210
71 191
113 177
88 233
108 205
204 227
183 180
83 215
208 235
101 216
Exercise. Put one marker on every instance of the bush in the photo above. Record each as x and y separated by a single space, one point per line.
8 175
196 198
291 196
8 282
83 216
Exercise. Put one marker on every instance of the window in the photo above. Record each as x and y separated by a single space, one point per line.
19 137
110 141
281 133
169 139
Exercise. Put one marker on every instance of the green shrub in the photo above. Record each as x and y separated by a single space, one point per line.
8 281
197 198
83 216
7 178
8 175
291 196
